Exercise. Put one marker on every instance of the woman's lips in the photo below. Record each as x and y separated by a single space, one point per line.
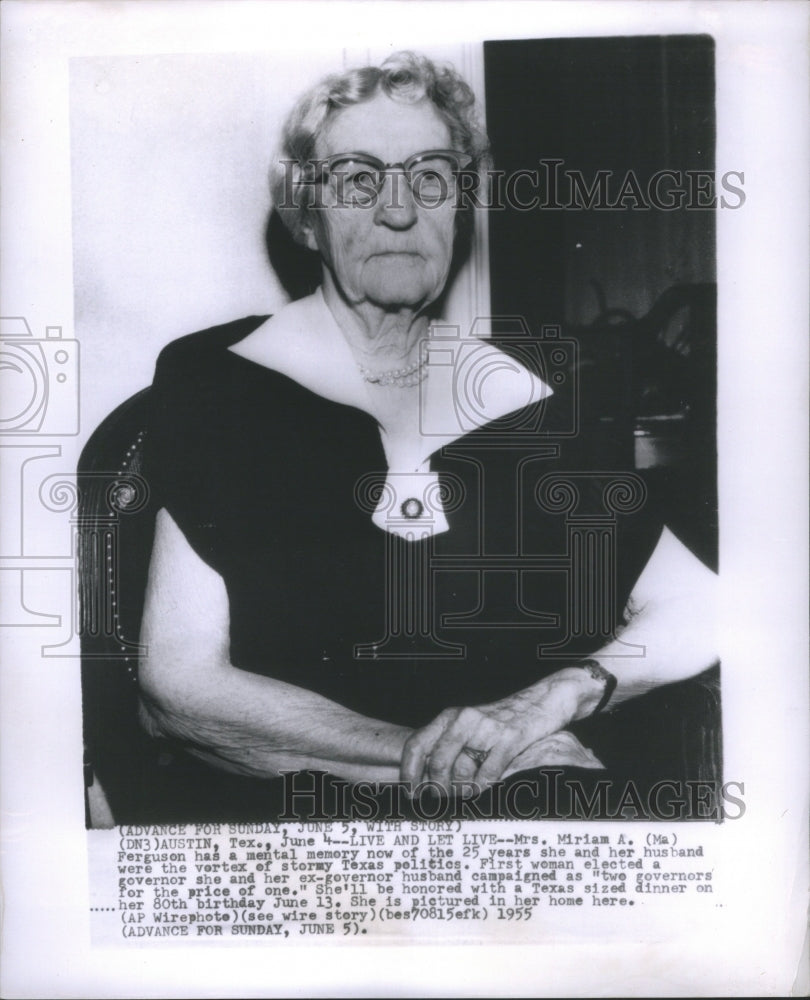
395 253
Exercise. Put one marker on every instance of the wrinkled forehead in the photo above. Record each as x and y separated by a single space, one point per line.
388 129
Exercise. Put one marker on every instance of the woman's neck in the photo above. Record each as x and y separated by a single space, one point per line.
378 338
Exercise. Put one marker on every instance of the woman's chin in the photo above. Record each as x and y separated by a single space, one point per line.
391 300
397 293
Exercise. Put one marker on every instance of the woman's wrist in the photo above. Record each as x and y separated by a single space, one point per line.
593 687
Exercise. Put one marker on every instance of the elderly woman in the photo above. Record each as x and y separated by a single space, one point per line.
349 575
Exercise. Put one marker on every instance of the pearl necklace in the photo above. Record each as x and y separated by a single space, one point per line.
402 378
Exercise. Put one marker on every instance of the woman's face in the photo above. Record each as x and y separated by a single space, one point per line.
395 252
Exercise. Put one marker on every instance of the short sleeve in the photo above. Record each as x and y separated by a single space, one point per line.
191 417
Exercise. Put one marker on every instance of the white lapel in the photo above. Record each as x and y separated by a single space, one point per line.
470 383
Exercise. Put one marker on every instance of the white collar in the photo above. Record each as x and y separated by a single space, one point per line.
470 381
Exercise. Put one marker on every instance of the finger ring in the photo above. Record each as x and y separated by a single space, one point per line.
479 756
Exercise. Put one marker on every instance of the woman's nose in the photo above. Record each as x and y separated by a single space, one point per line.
395 203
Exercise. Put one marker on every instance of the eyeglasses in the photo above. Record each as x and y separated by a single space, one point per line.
358 178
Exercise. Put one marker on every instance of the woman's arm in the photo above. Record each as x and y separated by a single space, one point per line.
671 622
669 636
234 719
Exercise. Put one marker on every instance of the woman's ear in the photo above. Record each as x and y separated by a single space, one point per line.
303 193
308 235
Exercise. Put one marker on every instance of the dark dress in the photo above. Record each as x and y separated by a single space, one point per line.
274 486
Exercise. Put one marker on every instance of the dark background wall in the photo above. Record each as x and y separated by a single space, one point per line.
634 286
638 104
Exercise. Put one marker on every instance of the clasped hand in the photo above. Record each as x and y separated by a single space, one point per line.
466 749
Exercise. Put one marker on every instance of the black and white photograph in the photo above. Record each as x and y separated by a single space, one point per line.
393 546
366 538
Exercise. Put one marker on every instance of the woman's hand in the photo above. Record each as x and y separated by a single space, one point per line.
475 746
483 744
